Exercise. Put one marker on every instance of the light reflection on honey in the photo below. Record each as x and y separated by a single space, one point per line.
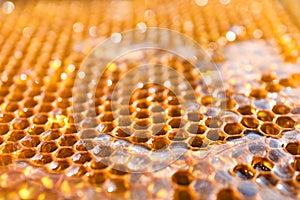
255 143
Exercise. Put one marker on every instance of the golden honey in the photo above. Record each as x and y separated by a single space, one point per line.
240 144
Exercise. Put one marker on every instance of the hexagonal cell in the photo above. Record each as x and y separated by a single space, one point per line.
174 111
116 185
214 122
287 82
41 159
64 152
141 114
159 143
176 122
158 118
270 129
261 164
20 124
258 93
281 109
76 171
183 178
248 189
267 179
140 136
81 158
265 115
244 171
293 148
48 146
4 128
285 122
233 128
296 163
268 77
96 178
195 116
246 110
273 87
123 132
196 128
227 193
250 122
177 134
6 117
59 165
172 100
214 135
141 104
141 124
106 117
196 142
40 119
15 136
183 194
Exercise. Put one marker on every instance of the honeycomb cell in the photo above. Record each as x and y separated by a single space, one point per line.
42 159
281 109
227 193
213 122
140 136
26 153
258 93
20 124
195 116
4 128
35 130
176 122
64 152
267 179
177 135
270 129
214 135
287 82
6 117
293 148
67 140
183 194
9 147
159 143
268 77
196 128
183 178
250 122
285 122
265 115
51 135
246 110
142 114
40 119
244 171
58 165
196 142
296 164
30 141
117 186
233 128
16 136
96 178
48 147
273 87
262 164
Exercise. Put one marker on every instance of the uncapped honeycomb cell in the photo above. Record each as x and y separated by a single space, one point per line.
123 137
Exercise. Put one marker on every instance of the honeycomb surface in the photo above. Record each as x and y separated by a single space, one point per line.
245 144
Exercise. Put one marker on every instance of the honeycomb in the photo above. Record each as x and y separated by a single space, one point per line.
242 143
